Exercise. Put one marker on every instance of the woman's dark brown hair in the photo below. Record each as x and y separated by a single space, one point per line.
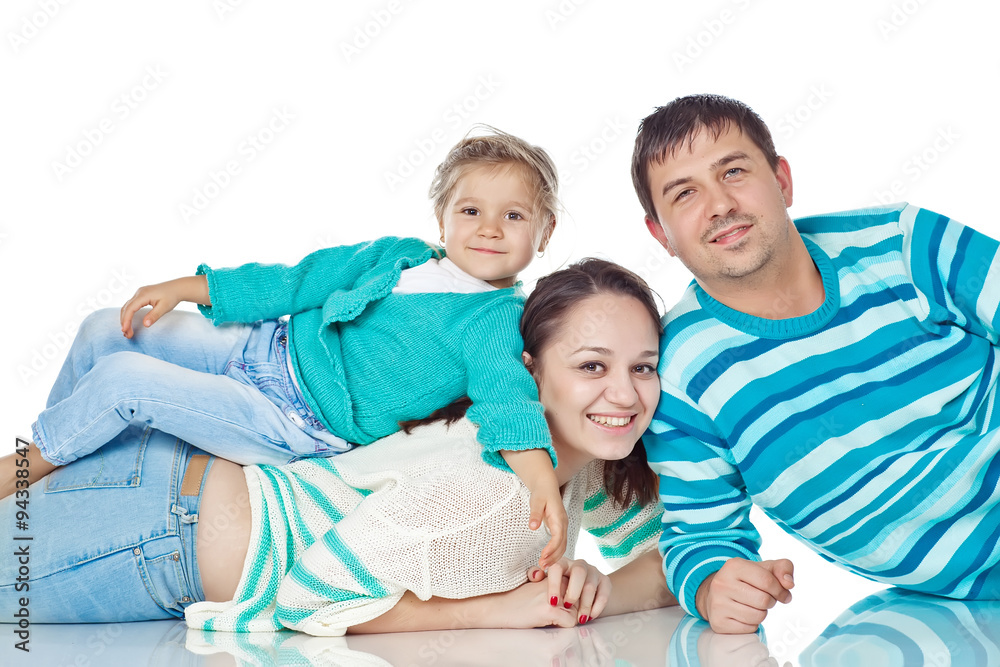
545 311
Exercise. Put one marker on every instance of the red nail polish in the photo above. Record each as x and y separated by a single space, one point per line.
553 601
584 619
567 605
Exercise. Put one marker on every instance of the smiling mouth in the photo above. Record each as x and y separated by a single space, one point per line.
731 234
487 251
611 421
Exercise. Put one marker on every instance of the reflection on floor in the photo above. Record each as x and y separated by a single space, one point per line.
890 628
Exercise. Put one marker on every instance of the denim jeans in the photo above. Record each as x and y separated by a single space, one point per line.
228 387
112 538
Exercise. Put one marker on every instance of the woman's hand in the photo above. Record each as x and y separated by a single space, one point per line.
163 297
575 585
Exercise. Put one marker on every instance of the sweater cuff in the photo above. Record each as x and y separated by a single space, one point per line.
687 569
211 312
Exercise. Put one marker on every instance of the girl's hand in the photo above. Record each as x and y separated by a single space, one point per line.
577 586
546 504
736 599
163 297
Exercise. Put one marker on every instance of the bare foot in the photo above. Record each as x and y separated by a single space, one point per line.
25 465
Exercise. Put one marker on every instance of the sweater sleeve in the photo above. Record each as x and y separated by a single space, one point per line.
445 525
268 291
956 268
504 396
706 508
622 534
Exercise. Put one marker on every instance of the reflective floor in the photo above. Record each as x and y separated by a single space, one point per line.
835 619
886 629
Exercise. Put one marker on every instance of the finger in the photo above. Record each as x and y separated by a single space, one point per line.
128 312
783 570
549 553
599 600
576 578
759 577
159 308
536 509
555 575
535 574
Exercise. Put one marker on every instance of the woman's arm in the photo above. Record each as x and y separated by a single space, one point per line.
639 585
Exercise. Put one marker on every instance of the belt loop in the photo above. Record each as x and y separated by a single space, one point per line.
183 514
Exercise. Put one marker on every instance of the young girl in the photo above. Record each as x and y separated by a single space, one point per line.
378 333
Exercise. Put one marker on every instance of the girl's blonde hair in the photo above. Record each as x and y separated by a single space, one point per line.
495 147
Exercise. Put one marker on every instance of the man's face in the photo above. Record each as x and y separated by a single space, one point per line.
721 209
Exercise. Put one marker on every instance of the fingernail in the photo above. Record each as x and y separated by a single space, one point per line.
554 601
584 619
567 605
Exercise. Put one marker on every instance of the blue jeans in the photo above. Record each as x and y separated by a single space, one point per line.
228 387
112 538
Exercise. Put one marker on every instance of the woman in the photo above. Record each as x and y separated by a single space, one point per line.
414 534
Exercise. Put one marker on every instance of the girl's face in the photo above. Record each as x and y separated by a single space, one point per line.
597 379
491 228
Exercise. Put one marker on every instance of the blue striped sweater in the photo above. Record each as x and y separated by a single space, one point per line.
867 429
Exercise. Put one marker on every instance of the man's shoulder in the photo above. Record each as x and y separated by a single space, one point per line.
852 221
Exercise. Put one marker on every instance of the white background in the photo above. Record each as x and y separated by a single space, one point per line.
116 115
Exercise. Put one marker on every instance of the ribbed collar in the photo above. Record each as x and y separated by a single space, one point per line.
792 327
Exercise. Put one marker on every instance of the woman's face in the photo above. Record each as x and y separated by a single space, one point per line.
597 378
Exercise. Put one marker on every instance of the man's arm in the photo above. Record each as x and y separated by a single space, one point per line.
956 268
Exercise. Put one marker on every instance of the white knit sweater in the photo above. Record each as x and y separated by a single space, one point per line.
336 542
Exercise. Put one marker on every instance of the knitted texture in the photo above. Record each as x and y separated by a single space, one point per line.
336 542
365 358
868 428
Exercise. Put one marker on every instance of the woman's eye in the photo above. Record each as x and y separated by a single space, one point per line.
645 369
591 367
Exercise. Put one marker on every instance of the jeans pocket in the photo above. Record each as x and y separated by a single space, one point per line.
165 582
116 464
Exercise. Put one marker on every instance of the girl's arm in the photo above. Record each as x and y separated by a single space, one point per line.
164 297
534 467
640 585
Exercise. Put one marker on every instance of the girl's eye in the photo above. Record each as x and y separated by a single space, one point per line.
514 215
470 211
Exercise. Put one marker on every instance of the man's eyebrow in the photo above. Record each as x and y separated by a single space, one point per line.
721 162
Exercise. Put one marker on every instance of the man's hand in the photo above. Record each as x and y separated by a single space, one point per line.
736 598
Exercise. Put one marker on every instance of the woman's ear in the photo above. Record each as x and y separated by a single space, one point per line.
529 363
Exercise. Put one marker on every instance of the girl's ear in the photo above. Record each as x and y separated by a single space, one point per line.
547 234
441 227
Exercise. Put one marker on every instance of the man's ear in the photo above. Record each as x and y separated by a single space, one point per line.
656 229
783 174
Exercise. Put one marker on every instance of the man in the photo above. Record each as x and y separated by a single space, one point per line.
840 372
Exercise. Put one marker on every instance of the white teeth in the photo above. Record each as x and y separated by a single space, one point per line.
610 421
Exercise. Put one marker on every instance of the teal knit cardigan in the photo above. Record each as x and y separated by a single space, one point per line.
366 359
